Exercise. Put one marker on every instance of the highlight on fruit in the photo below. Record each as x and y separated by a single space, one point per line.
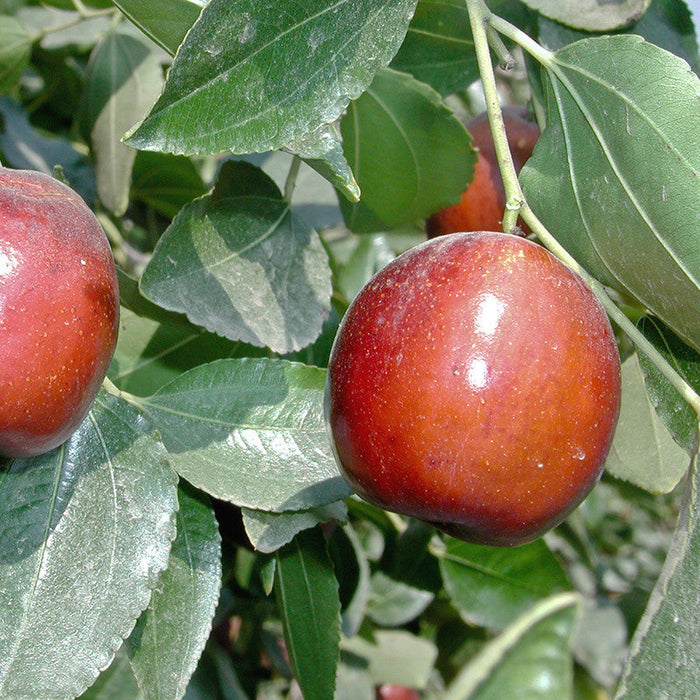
59 311
474 383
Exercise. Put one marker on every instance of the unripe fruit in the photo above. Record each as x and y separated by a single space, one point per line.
474 383
483 202
59 311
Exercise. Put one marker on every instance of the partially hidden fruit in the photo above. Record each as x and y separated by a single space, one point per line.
474 383
59 311
483 202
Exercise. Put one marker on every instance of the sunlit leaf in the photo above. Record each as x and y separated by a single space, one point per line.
268 532
85 532
323 151
123 80
592 15
249 78
169 637
393 603
612 112
643 452
251 432
165 21
394 656
239 263
62 28
667 23
116 682
15 50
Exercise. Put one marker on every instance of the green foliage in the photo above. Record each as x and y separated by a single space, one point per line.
254 163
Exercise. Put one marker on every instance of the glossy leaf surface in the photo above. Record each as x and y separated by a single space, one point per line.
85 532
249 78
229 261
169 637
251 432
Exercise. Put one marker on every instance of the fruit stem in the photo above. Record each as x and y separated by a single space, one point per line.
291 181
481 18
109 386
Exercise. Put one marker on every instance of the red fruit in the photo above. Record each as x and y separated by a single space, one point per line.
392 691
59 311
482 204
474 383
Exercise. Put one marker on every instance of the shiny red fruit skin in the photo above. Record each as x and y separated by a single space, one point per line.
59 311
474 383
483 202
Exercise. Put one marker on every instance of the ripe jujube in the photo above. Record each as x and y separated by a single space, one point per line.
59 311
483 202
474 383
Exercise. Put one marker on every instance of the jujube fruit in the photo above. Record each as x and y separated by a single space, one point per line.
483 202
59 311
474 383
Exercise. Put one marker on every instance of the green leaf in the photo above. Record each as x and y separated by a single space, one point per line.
165 182
62 29
353 574
307 597
123 80
678 416
240 264
591 15
665 649
439 47
322 150
251 76
590 180
643 451
667 23
15 51
268 532
490 586
252 432
169 637
116 682
85 531
410 154
394 656
165 21
150 354
393 603
25 148
530 660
